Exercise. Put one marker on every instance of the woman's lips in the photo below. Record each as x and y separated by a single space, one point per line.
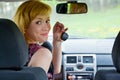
44 34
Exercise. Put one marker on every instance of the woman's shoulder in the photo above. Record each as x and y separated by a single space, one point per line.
44 50
36 47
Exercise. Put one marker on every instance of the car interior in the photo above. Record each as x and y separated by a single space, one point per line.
112 74
14 56
90 48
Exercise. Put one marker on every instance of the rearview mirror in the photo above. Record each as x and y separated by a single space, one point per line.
71 8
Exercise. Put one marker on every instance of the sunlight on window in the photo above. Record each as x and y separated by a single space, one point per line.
101 21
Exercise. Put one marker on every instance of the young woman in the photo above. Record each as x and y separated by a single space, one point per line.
33 19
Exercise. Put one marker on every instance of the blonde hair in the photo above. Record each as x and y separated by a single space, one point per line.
27 11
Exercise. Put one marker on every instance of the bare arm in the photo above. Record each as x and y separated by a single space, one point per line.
57 57
57 52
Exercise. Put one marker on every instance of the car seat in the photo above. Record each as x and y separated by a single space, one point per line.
112 74
14 55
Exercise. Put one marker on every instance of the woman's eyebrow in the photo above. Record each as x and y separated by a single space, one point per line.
42 18
39 18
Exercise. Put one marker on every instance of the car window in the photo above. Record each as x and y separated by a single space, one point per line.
101 21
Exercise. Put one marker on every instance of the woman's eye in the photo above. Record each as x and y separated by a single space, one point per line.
38 22
48 21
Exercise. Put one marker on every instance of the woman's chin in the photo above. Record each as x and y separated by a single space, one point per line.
44 40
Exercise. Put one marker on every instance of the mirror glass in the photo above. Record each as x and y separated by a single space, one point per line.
71 8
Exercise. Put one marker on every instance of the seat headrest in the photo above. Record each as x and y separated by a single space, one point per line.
116 53
13 48
47 45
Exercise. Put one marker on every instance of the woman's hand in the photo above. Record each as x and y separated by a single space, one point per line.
58 29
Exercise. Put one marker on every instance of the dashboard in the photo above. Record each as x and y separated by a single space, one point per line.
79 66
83 57
101 47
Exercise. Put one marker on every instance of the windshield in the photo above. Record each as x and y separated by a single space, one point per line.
101 21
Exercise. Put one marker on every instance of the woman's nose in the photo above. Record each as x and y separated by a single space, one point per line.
46 26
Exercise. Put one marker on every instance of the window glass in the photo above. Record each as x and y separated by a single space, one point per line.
101 21
8 9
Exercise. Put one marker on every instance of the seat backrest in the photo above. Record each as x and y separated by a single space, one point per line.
13 48
116 53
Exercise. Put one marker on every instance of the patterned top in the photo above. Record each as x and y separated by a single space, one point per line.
32 49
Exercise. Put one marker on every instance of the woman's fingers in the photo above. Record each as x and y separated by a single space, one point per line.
59 27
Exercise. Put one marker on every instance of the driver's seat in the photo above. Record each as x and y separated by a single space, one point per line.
113 74
14 55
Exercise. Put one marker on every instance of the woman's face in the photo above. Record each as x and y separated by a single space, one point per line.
38 29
